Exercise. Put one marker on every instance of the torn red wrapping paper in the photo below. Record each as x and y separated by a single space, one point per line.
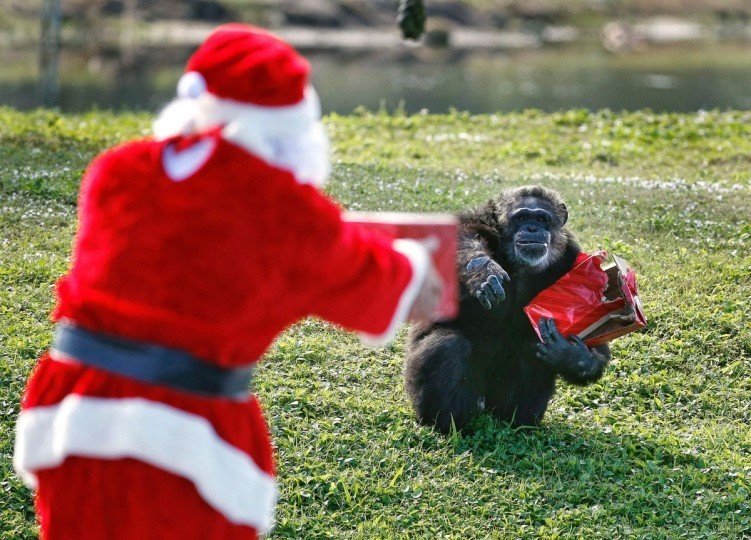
595 302
437 231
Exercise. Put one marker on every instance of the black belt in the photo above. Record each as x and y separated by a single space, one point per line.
150 363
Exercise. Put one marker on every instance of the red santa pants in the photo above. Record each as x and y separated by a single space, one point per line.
126 499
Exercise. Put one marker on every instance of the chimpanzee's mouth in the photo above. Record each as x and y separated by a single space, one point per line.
532 253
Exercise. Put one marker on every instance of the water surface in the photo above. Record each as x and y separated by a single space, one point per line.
685 78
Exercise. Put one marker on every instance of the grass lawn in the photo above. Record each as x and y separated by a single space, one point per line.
659 448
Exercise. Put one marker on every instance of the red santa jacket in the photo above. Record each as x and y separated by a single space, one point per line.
219 263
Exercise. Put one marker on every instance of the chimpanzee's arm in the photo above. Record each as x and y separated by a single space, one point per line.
482 276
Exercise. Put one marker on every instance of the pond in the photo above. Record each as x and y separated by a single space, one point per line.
685 78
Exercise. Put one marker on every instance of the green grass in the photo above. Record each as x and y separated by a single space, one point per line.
659 448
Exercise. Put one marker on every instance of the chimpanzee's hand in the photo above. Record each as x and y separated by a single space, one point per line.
485 281
411 18
569 356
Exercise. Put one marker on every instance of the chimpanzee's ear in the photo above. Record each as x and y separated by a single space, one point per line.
563 213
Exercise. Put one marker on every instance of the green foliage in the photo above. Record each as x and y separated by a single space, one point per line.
659 448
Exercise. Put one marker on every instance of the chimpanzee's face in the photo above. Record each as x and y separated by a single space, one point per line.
532 224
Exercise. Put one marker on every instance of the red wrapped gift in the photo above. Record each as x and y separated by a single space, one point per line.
595 302
437 231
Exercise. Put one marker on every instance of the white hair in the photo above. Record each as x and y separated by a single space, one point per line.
290 137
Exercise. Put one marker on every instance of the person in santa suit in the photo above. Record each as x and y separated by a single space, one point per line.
195 248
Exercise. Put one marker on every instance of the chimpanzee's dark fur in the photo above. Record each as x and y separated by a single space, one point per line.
489 357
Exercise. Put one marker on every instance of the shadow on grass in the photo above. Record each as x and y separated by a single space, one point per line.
572 451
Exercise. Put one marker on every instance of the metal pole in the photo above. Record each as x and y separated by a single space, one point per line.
49 47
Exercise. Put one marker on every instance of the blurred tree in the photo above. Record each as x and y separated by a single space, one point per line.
128 34
49 48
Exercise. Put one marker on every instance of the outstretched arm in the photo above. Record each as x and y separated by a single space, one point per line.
482 276
571 358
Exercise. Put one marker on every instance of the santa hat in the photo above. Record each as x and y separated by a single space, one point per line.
256 86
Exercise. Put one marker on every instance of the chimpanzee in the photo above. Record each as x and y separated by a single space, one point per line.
489 357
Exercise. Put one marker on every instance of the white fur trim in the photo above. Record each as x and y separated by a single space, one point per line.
289 137
173 440
419 258
183 164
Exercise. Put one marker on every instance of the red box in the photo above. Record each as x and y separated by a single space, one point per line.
595 302
437 231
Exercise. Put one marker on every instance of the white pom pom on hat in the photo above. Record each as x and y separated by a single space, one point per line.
191 85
